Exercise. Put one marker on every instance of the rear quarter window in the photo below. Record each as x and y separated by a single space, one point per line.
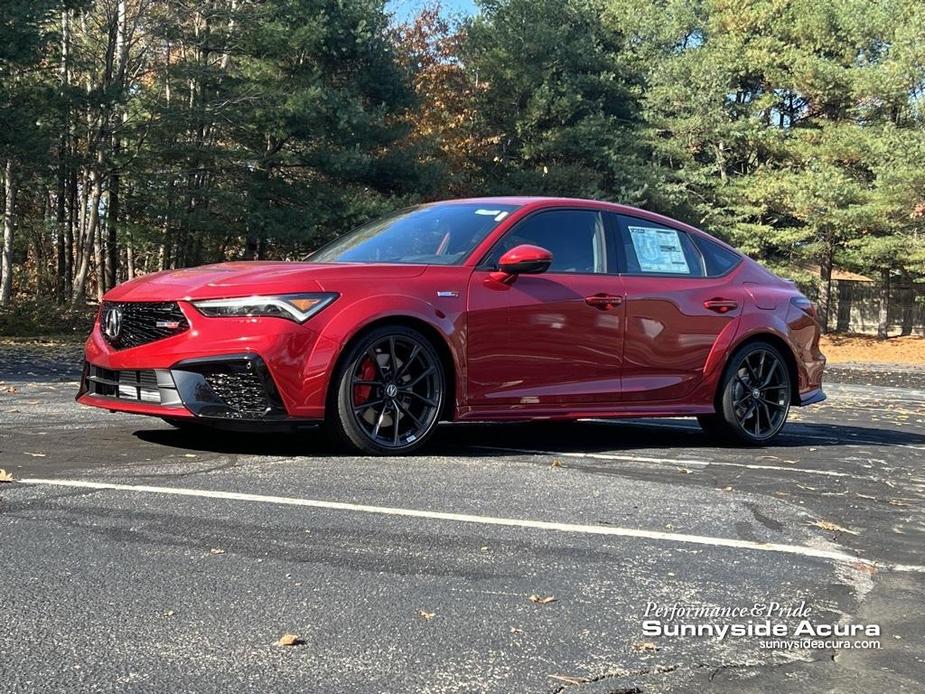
717 259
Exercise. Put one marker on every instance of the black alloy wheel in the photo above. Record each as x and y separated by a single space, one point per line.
755 398
391 391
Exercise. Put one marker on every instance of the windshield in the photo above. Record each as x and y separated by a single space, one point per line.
442 234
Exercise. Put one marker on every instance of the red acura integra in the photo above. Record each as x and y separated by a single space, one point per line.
481 309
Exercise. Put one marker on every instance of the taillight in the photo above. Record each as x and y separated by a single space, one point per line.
805 305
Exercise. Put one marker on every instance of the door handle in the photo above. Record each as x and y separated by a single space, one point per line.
720 305
604 302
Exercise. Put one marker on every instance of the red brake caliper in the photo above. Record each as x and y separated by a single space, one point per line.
361 393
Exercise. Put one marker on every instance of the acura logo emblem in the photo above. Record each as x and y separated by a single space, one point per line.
112 322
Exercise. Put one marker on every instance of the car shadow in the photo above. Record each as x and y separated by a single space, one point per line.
481 439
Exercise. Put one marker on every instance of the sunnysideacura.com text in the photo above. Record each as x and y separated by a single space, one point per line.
774 625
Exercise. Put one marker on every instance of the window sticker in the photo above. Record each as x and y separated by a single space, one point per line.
488 213
659 250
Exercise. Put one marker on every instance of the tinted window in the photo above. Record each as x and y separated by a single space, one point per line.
718 260
655 249
574 237
442 234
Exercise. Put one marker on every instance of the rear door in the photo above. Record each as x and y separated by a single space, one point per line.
551 338
675 309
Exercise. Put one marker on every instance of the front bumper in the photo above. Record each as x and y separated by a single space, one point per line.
243 369
230 387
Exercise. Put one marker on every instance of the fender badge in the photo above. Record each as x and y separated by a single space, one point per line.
447 294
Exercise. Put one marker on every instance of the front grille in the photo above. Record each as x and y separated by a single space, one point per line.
141 322
140 385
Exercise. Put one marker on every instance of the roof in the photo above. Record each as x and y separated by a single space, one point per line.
546 201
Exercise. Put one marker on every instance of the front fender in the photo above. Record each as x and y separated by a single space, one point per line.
341 327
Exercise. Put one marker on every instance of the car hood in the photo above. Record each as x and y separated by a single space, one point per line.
226 280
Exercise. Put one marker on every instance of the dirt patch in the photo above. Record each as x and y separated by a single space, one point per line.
840 349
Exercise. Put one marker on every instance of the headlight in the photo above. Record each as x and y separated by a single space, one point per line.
296 307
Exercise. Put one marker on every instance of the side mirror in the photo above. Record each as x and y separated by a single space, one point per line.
524 260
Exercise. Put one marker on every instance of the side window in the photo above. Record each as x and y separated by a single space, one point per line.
654 249
575 238
719 260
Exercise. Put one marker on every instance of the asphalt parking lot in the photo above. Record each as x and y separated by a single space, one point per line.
136 557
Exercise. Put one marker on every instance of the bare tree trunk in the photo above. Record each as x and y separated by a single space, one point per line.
825 301
98 262
9 225
44 282
908 307
79 237
63 249
112 219
883 324
60 265
83 269
113 210
69 231
843 315
129 260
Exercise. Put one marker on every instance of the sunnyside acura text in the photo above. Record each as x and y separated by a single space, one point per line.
482 309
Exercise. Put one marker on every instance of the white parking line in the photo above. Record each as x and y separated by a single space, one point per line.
483 520
677 462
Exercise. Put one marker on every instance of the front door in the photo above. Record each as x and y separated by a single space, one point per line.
554 338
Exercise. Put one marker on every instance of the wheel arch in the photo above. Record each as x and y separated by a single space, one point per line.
432 333
782 346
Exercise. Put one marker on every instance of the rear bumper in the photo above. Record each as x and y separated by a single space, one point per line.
812 397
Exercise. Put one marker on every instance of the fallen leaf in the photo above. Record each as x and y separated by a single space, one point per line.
645 647
832 527
541 600
726 489
556 463
216 550
515 630
426 616
684 471
289 640
5 476
169 613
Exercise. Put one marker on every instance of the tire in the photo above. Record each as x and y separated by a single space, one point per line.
753 400
712 425
388 392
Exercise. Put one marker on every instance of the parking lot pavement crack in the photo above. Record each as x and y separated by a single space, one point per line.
640 680
576 683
